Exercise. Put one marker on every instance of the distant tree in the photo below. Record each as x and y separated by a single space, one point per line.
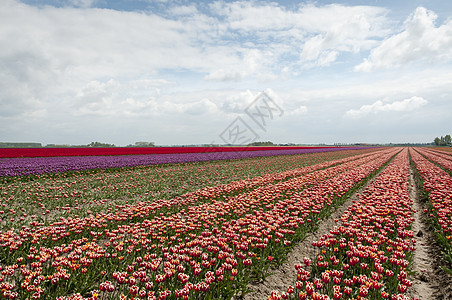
58 146
443 140
437 141
268 143
99 144
144 144
19 145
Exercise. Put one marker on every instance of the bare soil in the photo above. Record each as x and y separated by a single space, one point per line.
429 280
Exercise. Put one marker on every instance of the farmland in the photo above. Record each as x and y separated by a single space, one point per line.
213 225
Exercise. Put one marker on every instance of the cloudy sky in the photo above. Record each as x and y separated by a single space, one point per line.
186 72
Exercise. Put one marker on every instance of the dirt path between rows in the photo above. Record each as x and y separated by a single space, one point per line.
286 274
424 286
429 280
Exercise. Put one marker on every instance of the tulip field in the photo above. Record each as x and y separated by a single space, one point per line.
95 151
434 169
37 162
205 225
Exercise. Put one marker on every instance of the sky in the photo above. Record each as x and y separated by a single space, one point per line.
178 72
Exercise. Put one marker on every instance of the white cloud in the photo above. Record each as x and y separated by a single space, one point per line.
237 102
300 110
252 16
350 29
68 47
82 3
420 40
203 106
112 98
183 10
253 63
100 42
405 105
109 99
223 75
317 33
199 66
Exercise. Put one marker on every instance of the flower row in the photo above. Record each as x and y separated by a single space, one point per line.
42 165
440 158
367 255
99 151
438 187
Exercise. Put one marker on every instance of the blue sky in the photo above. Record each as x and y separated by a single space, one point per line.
181 72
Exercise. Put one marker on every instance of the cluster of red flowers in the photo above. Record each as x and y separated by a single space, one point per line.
437 183
368 254
444 159
206 243
98 151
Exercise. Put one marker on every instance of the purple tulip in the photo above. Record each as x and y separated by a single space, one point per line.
43 165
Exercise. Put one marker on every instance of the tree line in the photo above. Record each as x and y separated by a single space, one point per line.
443 140
90 145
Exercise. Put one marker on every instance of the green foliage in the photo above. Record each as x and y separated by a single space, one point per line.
443 141
19 145
99 144
142 144
261 144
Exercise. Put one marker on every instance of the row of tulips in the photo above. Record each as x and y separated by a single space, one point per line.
437 186
440 158
446 150
99 151
42 165
367 255
178 249
47 197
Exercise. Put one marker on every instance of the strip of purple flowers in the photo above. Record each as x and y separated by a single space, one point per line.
43 165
